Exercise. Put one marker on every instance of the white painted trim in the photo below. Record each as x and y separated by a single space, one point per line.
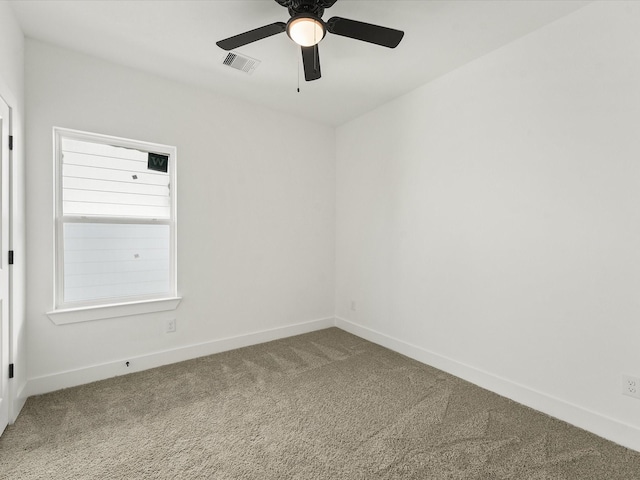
16 228
591 421
594 422
81 376
59 134
100 312
17 404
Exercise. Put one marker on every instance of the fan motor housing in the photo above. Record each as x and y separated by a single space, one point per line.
297 7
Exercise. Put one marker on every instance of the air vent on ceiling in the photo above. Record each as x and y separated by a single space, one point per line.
241 62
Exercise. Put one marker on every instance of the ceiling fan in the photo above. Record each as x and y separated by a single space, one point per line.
307 29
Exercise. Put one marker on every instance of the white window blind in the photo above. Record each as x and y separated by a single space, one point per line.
115 220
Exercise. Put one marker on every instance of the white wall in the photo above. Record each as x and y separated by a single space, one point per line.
11 52
489 222
12 91
256 198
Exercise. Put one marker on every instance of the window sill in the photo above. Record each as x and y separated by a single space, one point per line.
101 312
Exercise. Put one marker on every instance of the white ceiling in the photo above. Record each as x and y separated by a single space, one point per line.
176 39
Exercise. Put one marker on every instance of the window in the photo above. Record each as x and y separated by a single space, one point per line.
115 222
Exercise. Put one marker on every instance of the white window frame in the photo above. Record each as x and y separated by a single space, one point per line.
73 312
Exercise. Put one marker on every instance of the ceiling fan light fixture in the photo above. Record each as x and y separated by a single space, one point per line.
306 30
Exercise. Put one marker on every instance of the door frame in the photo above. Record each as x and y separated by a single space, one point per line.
5 241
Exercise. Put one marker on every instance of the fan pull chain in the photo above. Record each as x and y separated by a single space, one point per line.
315 50
299 69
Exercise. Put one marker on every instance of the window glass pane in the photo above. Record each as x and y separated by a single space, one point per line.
106 260
104 180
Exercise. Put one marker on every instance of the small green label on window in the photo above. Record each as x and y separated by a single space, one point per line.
158 162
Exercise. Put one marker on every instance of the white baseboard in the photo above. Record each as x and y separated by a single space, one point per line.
81 376
601 425
594 422
18 402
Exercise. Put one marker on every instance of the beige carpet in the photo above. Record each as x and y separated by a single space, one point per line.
326 405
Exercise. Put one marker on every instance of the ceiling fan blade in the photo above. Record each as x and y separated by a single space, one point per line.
252 36
311 62
387 37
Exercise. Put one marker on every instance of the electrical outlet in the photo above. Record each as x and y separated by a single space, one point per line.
171 325
631 386
353 305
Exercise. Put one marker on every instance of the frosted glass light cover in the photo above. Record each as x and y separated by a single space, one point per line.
306 31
